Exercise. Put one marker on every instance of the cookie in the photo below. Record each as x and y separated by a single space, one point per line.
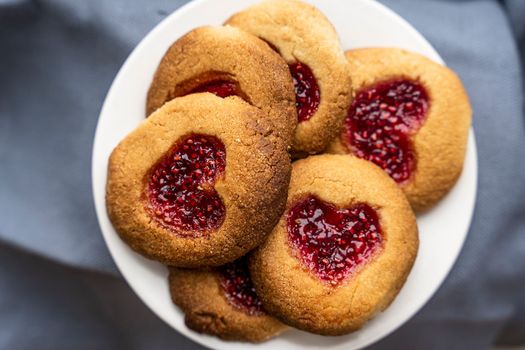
341 251
227 61
411 116
198 183
307 41
222 302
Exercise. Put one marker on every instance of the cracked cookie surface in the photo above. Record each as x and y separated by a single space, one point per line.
293 280
250 185
434 145
208 306
227 61
307 41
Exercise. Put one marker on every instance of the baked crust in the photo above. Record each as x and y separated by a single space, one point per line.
199 294
208 53
253 186
294 294
300 32
440 143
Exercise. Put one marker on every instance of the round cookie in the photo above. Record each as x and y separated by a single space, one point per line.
197 183
342 249
411 116
307 41
222 302
227 61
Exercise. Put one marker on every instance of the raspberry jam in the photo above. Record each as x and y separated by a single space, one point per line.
332 242
238 288
380 121
221 88
307 94
180 186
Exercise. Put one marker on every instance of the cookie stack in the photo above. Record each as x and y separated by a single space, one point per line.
277 177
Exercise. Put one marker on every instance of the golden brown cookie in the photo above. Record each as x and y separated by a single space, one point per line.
309 44
342 249
198 183
222 302
227 61
411 116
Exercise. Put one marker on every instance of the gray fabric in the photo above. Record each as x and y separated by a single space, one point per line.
59 288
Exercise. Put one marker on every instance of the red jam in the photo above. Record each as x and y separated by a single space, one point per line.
221 88
238 288
380 121
180 186
332 242
307 94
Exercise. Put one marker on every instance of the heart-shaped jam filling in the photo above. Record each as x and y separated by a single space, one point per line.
180 186
307 94
238 288
380 122
221 88
330 241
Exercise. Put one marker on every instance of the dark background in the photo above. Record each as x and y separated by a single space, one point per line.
59 289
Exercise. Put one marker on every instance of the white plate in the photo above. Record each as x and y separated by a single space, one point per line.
360 23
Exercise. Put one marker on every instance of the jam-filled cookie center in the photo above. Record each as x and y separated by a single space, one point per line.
220 84
238 288
380 121
180 186
307 93
332 241
220 87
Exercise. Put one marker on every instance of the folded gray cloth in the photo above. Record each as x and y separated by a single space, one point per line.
59 288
